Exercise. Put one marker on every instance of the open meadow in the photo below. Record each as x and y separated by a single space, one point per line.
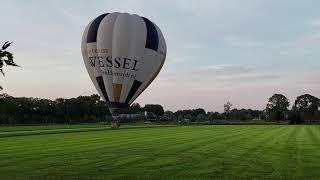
96 151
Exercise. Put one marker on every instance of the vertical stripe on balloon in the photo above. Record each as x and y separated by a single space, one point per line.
102 87
134 88
93 30
116 91
152 35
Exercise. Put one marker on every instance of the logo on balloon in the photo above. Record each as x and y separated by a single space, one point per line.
117 62
107 63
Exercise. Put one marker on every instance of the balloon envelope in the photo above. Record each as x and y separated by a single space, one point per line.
123 53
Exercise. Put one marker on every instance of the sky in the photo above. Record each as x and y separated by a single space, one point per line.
242 51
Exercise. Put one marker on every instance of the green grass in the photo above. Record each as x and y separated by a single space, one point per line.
223 151
10 131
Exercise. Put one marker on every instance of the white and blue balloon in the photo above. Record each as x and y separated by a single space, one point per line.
123 53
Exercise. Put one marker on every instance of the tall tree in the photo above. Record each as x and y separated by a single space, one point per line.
304 109
277 107
306 103
227 109
6 58
135 108
157 109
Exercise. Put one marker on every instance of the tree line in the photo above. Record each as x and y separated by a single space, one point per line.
306 109
23 110
83 109
91 109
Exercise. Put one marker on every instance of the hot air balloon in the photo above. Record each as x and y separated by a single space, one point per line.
123 53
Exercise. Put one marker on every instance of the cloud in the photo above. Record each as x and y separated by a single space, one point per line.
226 69
315 22
77 20
222 75
204 73
242 42
311 37
310 78
305 44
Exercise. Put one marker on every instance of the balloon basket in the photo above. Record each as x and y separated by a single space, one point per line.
115 125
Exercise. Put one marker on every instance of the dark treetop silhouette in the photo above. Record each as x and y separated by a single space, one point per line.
6 58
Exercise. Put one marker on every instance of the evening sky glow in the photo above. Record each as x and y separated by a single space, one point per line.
241 51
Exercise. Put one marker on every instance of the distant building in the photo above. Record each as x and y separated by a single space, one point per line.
146 116
130 116
150 116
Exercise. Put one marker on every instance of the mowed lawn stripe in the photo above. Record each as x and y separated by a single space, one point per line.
310 151
75 129
68 139
59 145
286 153
144 150
80 140
235 153
17 128
86 143
196 134
139 164
203 159
182 144
253 151
56 141
248 159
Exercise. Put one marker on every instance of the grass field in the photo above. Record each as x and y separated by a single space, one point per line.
248 151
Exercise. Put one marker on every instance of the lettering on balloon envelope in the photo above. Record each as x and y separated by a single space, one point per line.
117 62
